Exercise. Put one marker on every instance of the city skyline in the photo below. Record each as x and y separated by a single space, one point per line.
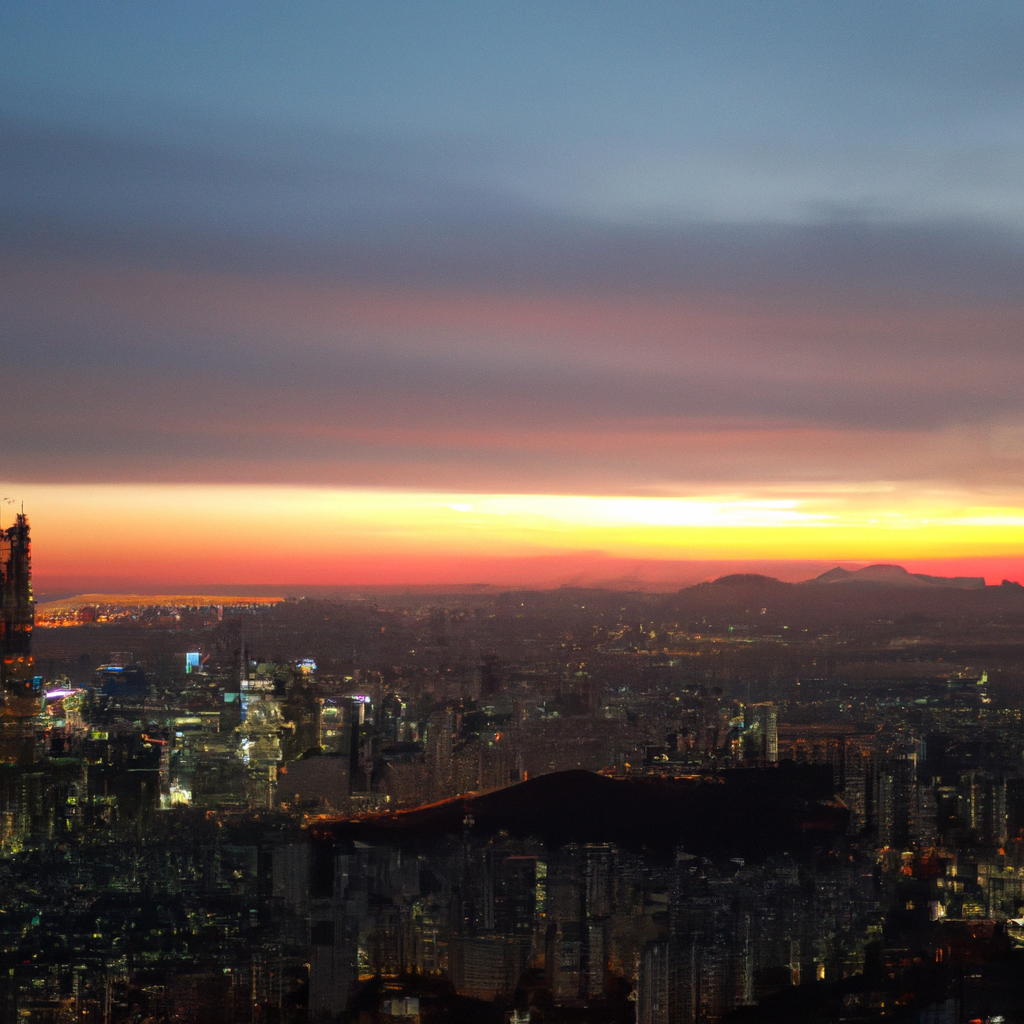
511 513
512 296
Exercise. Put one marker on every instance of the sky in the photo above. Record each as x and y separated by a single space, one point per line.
512 293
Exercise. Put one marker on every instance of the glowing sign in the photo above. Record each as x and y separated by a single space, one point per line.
257 685
52 695
191 661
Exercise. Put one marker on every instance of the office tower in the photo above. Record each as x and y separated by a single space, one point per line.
761 733
490 677
17 615
16 591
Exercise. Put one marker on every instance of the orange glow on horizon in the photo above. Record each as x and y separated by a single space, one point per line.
177 534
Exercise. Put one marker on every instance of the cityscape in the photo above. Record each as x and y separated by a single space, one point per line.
512 513
746 800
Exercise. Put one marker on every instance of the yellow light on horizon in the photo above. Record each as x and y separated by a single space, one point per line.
160 525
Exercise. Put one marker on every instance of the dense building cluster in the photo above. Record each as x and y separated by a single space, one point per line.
171 778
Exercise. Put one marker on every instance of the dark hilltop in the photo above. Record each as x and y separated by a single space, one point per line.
841 597
749 813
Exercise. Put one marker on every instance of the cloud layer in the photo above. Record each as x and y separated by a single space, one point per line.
583 254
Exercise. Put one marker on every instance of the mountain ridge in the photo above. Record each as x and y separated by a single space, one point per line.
895 576
879 596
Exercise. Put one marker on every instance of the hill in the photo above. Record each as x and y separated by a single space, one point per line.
749 813
897 576
841 597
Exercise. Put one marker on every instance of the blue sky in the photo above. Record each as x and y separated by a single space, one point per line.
726 112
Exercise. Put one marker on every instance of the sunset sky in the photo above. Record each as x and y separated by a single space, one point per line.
447 293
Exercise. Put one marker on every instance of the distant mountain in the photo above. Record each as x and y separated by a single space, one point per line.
749 579
873 597
897 576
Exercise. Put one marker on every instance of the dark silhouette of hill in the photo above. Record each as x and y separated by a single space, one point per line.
748 813
841 597
749 579
897 576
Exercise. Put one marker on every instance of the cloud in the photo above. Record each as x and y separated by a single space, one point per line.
446 210
305 306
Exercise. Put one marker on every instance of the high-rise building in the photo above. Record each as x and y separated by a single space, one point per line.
16 590
490 677
761 737
17 613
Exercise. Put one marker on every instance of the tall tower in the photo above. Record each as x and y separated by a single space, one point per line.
17 609
16 596
762 733
490 677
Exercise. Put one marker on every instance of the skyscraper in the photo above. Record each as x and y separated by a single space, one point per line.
17 611
762 733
